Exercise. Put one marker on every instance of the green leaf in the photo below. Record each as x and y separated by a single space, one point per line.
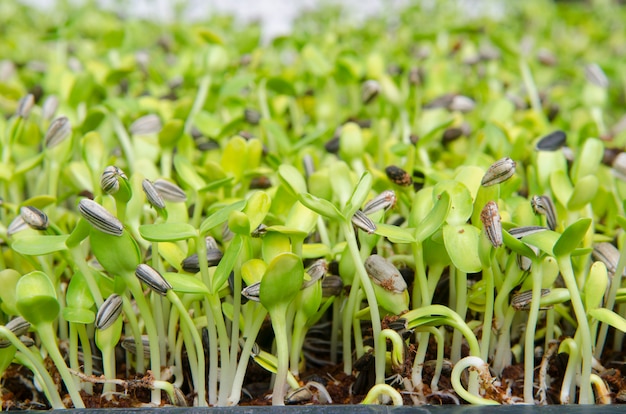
461 243
608 316
36 298
257 207
595 285
434 219
162 232
516 245
320 206
216 184
561 186
78 294
584 192
78 315
282 281
26 165
182 283
358 196
227 264
40 201
571 237
395 234
280 86
186 172
461 203
543 240
341 182
37 245
220 216
291 178
171 133
118 255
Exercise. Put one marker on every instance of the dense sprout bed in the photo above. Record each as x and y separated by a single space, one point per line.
425 207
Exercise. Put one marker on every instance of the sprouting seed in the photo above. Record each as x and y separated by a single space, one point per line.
34 217
596 75
384 200
152 195
147 124
100 218
398 176
608 254
260 231
25 105
57 132
170 191
498 172
151 277
317 271
369 91
49 107
385 274
18 224
252 292
552 142
363 222
110 179
109 312
19 326
128 343
299 395
490 217
519 232
543 205
252 116
331 286
522 300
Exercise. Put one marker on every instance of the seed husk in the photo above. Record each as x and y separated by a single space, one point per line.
523 262
385 274
34 217
260 231
49 107
252 292
252 116
109 312
596 75
522 300
25 105
384 200
299 395
462 103
398 176
151 277
608 254
109 180
619 166
543 205
147 124
317 270
128 343
191 264
519 232
100 218
170 191
552 142
19 326
499 172
331 286
360 220
309 166
17 224
490 217
369 91
152 195
59 130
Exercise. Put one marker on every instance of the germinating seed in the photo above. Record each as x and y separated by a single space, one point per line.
360 220
19 326
543 205
152 195
25 105
522 300
490 217
299 395
519 232
58 131
383 201
385 274
109 312
100 218
369 91
110 179
34 217
147 124
151 277
552 142
252 292
170 191
499 172
398 176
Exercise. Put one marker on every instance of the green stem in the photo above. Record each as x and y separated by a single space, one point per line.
87 356
279 323
531 326
129 312
198 103
125 142
488 316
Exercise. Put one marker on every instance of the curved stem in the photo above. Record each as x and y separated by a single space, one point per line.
467 362
380 390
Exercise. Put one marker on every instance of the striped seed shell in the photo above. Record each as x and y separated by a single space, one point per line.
309 166
252 292
521 300
299 395
552 142
260 231
398 176
252 116
543 205
490 217
363 222
331 286
59 130
152 195
147 124
498 172
109 312
519 232
109 180
170 191
191 264
18 224
462 103
608 254
369 91
384 200
19 326
128 343
49 107
25 105
34 217
385 274
100 218
317 270
151 277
